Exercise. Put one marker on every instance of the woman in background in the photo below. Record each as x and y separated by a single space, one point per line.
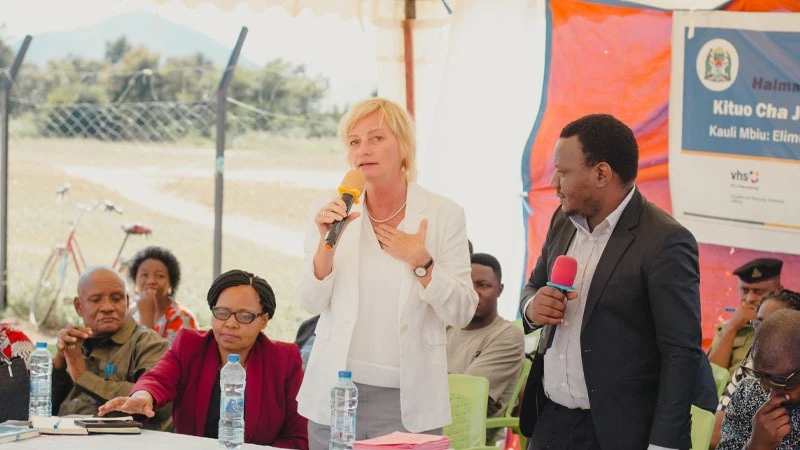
156 274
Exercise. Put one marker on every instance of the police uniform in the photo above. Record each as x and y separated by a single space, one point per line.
755 271
741 344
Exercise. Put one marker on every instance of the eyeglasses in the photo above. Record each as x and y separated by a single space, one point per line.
244 317
774 380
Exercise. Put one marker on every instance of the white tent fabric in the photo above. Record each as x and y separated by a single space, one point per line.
349 9
486 106
375 8
478 83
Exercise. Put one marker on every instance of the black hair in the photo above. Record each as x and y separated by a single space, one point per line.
160 254
488 260
789 298
237 277
604 138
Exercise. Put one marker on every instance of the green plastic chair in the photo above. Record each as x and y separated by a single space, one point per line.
702 427
721 378
469 397
53 349
508 420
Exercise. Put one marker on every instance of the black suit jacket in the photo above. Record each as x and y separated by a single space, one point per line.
640 334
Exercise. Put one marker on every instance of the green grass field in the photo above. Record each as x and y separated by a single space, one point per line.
36 222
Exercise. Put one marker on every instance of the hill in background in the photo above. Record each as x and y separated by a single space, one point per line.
139 28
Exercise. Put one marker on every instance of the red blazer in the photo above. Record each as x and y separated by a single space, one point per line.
185 375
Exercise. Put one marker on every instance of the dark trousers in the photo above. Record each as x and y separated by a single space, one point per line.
561 428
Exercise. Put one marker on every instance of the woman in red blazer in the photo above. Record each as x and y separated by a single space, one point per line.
188 374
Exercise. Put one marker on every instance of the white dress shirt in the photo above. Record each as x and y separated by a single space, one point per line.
564 381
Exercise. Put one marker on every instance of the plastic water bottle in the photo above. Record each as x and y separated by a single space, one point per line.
231 404
41 364
344 401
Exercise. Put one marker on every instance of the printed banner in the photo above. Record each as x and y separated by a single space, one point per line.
734 128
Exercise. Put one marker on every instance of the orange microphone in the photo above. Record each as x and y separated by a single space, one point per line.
351 188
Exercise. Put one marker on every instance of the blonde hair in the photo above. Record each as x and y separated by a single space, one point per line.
396 118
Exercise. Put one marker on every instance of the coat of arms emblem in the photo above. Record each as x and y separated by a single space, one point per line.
718 65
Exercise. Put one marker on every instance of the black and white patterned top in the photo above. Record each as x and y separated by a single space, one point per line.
738 423
736 380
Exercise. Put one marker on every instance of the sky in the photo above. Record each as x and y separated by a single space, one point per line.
342 50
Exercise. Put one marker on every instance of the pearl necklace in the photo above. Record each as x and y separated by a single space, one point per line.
388 218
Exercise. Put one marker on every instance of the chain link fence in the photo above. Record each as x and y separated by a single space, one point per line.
141 121
158 121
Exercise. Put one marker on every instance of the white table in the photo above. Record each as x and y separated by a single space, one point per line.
148 440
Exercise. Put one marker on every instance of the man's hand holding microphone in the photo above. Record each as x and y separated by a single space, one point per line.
548 306
550 302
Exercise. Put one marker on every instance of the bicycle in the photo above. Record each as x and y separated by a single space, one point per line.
51 281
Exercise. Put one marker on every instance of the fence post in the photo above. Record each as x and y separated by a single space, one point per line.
219 162
6 83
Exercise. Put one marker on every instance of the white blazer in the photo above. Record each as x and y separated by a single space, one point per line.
423 315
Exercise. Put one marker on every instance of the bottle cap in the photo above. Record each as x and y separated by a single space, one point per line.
345 374
41 345
233 359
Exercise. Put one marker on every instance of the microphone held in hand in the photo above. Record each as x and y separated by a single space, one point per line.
561 277
350 190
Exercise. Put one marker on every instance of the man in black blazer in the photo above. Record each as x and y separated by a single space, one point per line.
622 368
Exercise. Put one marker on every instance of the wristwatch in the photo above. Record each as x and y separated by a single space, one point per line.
421 271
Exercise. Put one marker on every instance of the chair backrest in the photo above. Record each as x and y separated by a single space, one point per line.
469 397
14 390
702 427
721 378
523 378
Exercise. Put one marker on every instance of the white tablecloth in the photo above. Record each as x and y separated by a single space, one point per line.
148 440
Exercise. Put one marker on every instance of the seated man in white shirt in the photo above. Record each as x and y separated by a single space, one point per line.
489 346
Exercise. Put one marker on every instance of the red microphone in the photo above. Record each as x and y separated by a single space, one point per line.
561 277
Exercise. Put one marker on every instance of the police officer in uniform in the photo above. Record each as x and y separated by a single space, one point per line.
757 279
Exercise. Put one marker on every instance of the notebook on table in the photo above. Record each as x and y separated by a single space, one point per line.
86 425
402 441
117 425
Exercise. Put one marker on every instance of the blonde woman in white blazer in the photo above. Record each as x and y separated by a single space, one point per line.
398 275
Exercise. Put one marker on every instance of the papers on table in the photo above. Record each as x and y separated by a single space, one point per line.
11 433
400 441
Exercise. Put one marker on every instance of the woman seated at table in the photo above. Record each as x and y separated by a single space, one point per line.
188 374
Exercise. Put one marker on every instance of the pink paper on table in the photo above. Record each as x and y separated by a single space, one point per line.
401 441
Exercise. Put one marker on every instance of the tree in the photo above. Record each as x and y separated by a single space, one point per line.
103 98
6 55
136 77
188 79
289 97
117 49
